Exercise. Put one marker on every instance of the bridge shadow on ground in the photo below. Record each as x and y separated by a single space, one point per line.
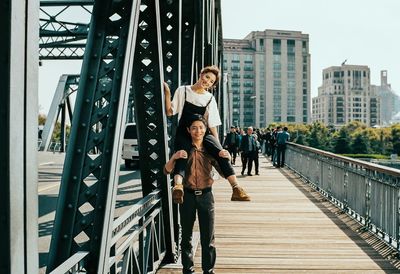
382 254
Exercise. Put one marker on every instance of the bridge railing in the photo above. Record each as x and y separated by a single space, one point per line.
137 241
367 192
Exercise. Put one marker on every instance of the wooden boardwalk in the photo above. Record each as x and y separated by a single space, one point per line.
288 228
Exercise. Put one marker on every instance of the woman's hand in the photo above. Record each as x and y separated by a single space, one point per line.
180 154
224 154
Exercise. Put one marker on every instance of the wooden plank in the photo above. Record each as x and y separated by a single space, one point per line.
289 228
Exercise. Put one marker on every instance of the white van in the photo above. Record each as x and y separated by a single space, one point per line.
130 148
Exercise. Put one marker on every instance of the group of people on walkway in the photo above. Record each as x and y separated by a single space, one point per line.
196 151
249 145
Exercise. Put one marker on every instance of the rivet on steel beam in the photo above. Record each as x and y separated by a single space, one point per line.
99 34
96 139
96 238
83 125
87 193
65 236
95 56
79 151
87 100
69 206
111 125
103 90
75 178
99 114
83 222
104 178
107 152
92 165
100 207
91 77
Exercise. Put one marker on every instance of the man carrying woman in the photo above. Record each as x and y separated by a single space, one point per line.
197 100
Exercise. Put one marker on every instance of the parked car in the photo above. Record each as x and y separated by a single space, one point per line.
130 148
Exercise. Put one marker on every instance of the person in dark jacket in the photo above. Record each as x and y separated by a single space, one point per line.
248 147
231 143
281 139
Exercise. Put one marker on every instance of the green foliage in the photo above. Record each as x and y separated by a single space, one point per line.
360 144
395 138
342 142
352 139
319 136
56 137
41 119
367 156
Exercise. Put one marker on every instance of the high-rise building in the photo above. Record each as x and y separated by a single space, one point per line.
389 101
269 76
346 95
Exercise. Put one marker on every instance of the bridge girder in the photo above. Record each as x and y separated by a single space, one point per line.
165 40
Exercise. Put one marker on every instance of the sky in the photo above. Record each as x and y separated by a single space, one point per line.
365 32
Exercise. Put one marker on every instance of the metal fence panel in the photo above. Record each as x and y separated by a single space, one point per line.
367 192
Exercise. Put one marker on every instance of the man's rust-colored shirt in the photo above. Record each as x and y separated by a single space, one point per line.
199 170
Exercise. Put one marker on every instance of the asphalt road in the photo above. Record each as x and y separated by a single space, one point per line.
50 172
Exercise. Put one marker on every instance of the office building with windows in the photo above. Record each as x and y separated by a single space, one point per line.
268 77
346 95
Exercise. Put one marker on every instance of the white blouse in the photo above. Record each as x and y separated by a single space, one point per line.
201 100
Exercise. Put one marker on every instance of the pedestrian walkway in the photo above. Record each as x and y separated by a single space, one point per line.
288 228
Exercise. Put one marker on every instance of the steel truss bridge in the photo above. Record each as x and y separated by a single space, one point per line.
129 48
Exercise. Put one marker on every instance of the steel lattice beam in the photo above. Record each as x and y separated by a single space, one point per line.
166 46
61 35
89 180
149 112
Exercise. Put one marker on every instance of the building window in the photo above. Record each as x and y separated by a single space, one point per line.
248 58
276 46
291 47
291 119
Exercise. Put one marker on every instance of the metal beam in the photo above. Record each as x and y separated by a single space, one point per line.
85 198
53 3
61 38
18 127
150 114
66 86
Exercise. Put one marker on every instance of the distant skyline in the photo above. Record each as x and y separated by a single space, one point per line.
365 32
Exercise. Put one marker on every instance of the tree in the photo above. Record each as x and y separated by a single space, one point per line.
341 144
395 138
360 144
41 119
318 137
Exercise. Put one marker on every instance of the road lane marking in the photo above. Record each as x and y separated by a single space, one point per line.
45 164
43 189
